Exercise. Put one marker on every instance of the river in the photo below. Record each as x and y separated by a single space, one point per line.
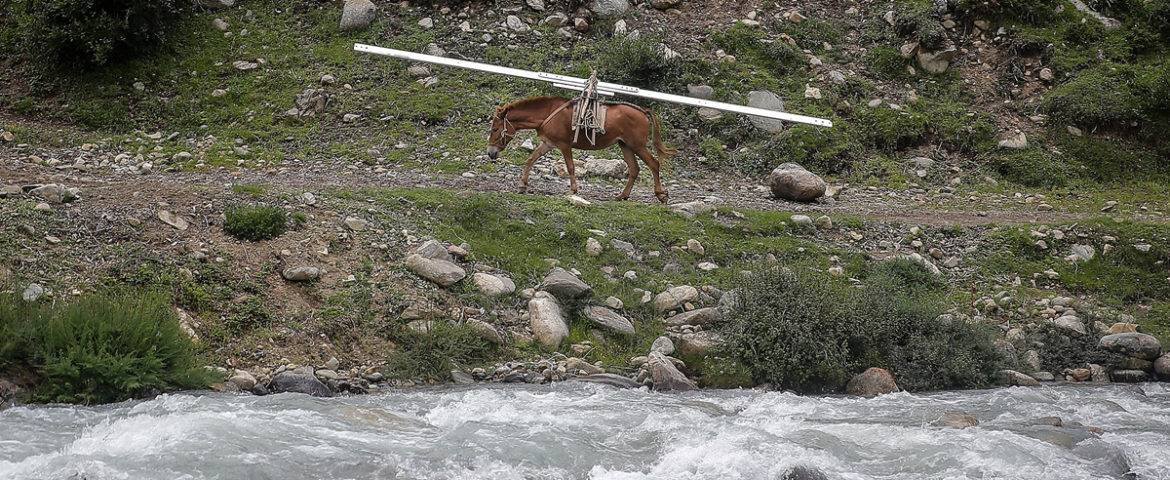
586 431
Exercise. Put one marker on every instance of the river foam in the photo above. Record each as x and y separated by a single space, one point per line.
587 431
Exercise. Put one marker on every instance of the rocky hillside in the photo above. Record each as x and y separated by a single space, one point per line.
313 211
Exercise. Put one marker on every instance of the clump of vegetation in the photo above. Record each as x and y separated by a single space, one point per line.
810 332
68 33
255 222
100 348
1111 95
778 56
1033 168
432 354
636 61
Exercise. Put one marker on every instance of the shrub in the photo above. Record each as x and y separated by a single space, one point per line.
1031 168
434 353
750 44
639 61
102 348
71 33
1028 10
810 332
886 62
255 222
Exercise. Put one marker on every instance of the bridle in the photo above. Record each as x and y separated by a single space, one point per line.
509 131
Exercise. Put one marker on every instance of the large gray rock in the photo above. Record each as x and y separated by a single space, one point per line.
674 298
792 182
1162 366
357 14
871 383
1013 378
1137 345
609 8
547 320
301 274
665 375
698 343
433 250
608 319
766 100
565 286
299 383
610 379
493 285
663 345
700 316
439 272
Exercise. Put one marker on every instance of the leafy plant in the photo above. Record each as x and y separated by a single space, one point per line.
87 33
255 222
432 354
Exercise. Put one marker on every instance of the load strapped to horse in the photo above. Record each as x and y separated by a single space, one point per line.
560 123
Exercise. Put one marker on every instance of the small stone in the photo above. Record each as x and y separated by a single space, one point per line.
175 221
301 274
33 292
492 285
356 224
695 247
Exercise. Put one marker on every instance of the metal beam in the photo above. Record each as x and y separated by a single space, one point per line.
605 88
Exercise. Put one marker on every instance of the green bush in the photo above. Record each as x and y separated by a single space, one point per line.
751 44
87 33
255 222
1032 168
434 353
638 62
810 332
1028 10
102 348
886 62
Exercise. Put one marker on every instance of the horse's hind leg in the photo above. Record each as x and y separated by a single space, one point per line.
541 149
631 171
655 166
570 167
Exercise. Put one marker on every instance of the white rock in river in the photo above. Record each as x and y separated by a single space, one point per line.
547 321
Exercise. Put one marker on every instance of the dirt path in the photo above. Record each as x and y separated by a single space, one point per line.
882 205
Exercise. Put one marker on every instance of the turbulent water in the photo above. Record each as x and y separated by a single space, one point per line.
586 431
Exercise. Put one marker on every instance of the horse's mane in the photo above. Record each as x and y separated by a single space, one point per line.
534 100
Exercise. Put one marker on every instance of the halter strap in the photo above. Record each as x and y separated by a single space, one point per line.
555 112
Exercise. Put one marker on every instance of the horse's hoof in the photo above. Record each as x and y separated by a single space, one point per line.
663 197
621 198
524 189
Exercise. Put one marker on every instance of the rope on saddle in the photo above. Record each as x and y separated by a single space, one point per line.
590 116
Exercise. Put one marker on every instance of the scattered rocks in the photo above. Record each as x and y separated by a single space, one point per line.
492 285
608 319
871 383
174 220
792 182
439 272
699 316
564 285
301 274
674 298
357 14
766 100
1137 345
299 383
547 321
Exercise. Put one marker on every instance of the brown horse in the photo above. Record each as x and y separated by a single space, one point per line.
627 125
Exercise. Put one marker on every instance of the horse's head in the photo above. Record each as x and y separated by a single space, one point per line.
501 133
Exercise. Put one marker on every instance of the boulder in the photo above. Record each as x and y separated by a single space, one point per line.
608 319
610 379
871 383
485 330
564 285
547 321
674 298
1137 345
299 383
609 8
300 274
357 14
792 182
699 316
439 272
698 343
958 420
662 345
1129 376
492 285
606 167
665 376
434 250
1072 323
769 101
803 472
1013 378
1162 366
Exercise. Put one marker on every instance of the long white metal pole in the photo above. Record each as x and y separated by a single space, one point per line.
574 83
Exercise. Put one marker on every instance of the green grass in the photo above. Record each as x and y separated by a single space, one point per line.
255 222
100 348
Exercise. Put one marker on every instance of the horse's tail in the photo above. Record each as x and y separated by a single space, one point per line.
663 150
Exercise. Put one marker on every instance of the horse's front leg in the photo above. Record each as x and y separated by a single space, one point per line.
572 169
540 150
